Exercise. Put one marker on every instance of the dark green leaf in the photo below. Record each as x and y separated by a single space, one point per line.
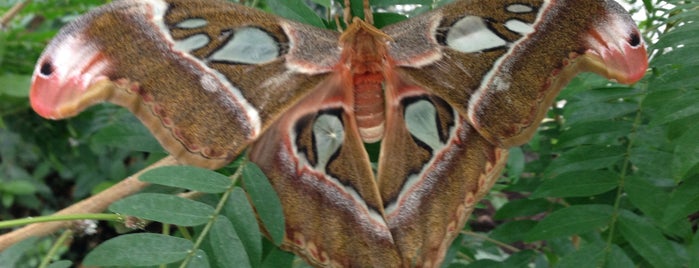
578 183
164 208
685 200
571 220
513 231
694 252
188 177
646 194
585 158
619 259
242 216
228 250
648 241
590 255
522 207
278 258
686 157
295 10
265 200
139 250
606 132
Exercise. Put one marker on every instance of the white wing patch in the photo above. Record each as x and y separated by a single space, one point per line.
249 45
519 26
519 8
470 34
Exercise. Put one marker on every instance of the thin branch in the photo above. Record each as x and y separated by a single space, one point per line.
94 204
12 13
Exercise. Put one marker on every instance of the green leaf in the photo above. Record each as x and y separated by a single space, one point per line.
384 19
590 255
686 156
571 220
585 158
199 260
399 2
164 208
513 231
619 259
13 254
227 247
694 252
608 132
61 264
139 250
18 187
647 196
295 10
577 183
15 85
188 177
242 216
515 162
278 258
684 200
648 241
522 208
265 200
127 134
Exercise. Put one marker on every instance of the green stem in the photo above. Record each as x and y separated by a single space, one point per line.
54 248
622 180
68 217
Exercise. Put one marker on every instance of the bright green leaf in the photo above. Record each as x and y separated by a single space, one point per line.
18 187
571 220
15 85
164 208
139 250
188 177
265 200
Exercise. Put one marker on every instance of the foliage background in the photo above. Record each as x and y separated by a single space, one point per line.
611 179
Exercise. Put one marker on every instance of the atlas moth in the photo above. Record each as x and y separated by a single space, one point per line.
446 93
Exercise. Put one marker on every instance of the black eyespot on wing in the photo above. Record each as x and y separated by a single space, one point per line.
46 68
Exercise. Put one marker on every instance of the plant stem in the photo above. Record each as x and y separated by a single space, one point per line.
54 248
69 217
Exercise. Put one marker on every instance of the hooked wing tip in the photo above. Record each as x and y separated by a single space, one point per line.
616 49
